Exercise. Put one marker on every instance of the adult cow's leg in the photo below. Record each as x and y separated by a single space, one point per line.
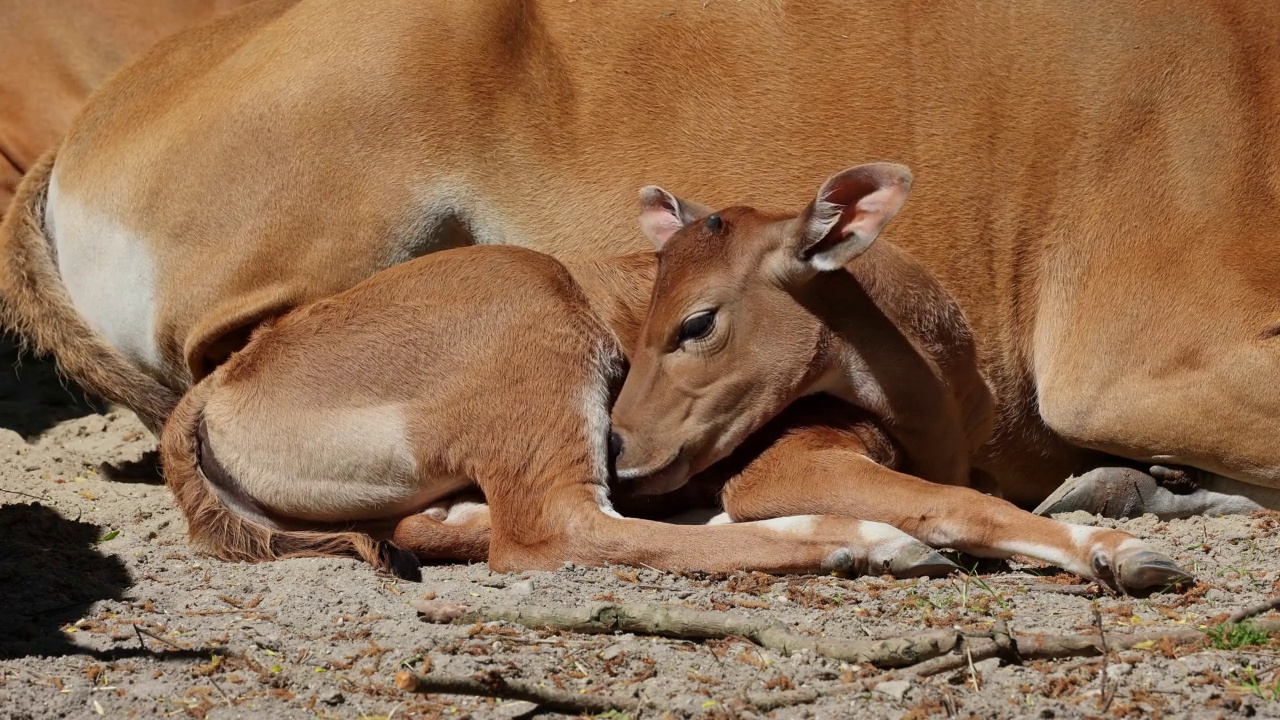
1169 357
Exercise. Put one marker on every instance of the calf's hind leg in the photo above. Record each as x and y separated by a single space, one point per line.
460 531
578 530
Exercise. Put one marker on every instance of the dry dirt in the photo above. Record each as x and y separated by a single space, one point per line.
105 611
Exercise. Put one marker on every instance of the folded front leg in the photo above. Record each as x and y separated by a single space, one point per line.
798 474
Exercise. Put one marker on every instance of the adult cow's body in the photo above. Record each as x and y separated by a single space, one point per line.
53 54
1096 183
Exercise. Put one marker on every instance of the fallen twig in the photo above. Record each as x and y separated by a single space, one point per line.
140 632
221 692
550 698
684 623
495 686
1254 610
1076 590
787 698
1104 700
1043 646
918 655
33 497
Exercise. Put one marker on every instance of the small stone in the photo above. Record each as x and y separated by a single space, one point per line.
986 667
613 652
512 709
333 697
1119 669
895 689
524 587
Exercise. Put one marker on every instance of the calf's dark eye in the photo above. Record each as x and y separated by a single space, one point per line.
698 325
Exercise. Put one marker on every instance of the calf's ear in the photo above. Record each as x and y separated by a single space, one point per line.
663 214
851 209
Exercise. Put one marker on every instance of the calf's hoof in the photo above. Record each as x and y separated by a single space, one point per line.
920 561
399 562
1145 570
903 557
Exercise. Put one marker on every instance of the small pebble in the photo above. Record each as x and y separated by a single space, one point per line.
895 689
613 652
986 667
1119 669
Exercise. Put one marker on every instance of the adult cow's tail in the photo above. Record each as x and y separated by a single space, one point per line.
217 527
34 303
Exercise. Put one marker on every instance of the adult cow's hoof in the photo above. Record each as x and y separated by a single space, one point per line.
1178 480
920 561
1112 492
1148 570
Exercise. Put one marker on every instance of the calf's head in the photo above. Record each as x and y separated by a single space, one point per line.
729 339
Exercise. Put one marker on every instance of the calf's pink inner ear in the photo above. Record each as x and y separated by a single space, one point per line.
851 210
660 215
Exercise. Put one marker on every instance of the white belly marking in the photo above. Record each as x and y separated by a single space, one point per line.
108 272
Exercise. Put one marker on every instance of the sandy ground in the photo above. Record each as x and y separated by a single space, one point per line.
88 563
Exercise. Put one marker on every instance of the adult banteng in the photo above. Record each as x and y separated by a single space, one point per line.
1096 183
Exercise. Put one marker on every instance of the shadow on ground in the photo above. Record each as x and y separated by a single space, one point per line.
50 571
33 397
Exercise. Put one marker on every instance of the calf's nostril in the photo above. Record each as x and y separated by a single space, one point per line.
615 445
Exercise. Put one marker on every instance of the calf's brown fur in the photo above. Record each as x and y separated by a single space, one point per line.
349 411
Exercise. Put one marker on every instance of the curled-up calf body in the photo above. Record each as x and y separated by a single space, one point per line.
489 367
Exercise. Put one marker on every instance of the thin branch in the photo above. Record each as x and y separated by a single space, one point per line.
1038 646
140 631
1076 590
550 698
33 497
687 624
915 655
221 692
1254 610
492 685
1104 700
